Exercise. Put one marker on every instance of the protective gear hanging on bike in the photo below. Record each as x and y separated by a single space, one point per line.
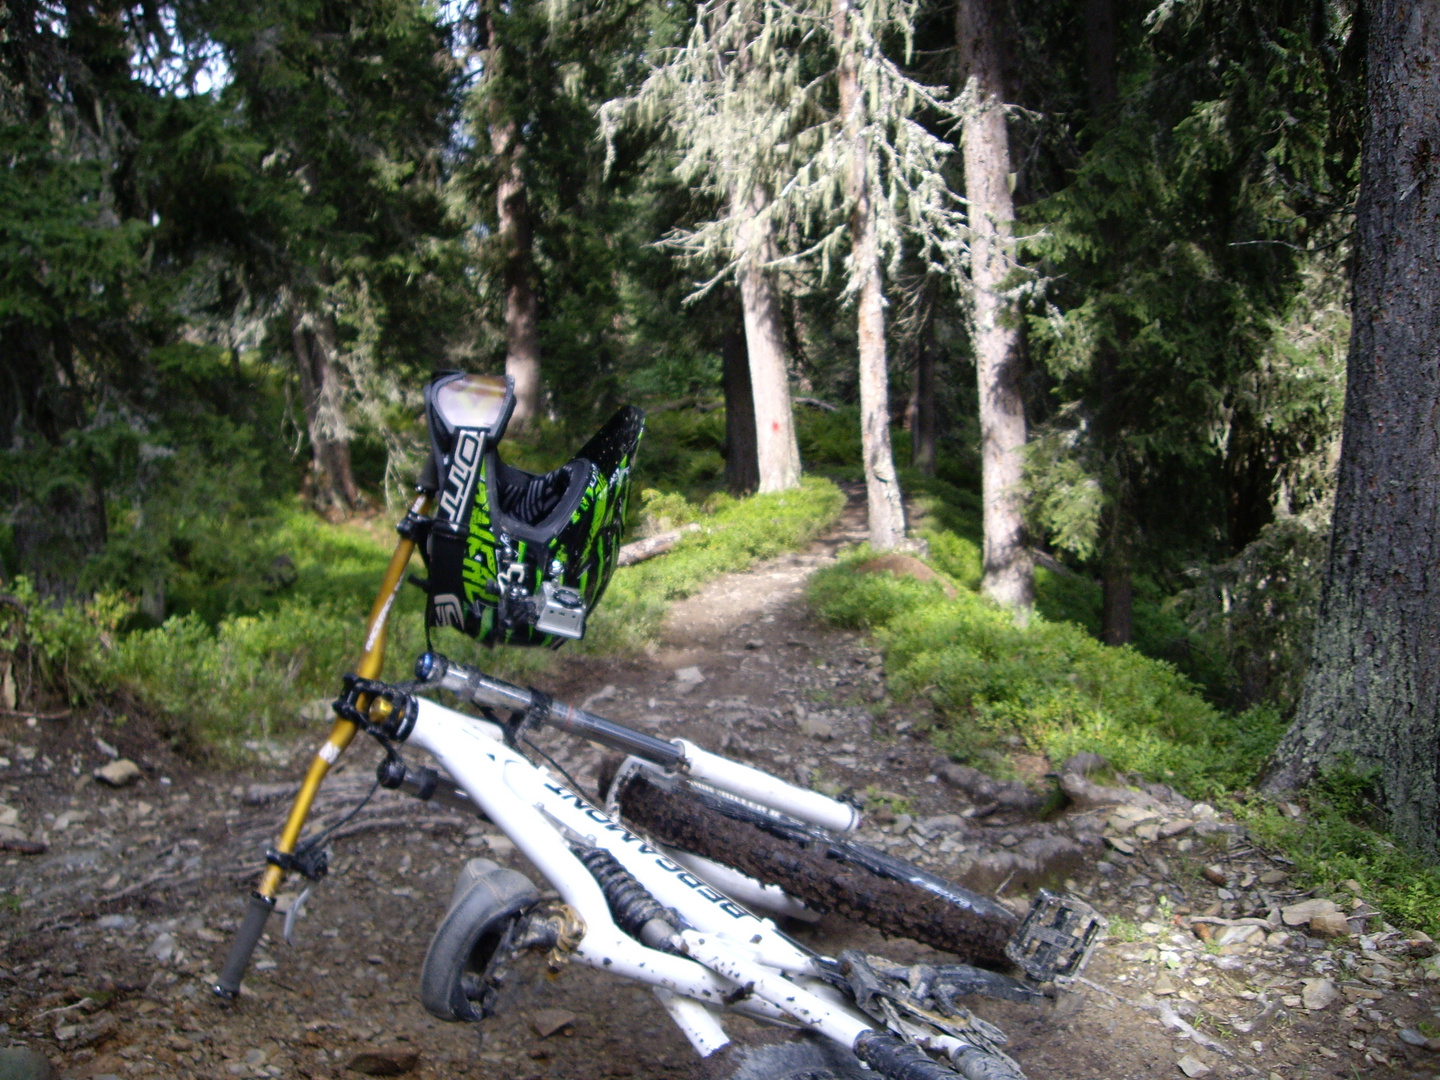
515 558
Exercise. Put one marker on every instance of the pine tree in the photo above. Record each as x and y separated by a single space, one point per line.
801 126
1009 573
1370 703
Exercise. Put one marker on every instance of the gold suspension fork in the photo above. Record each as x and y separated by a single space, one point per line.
262 901
343 730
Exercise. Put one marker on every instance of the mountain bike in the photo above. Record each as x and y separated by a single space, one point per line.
671 875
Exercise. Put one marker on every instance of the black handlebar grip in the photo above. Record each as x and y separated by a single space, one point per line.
251 927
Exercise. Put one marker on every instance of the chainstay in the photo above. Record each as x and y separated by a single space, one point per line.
838 882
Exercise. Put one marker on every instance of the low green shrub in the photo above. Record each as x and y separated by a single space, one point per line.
1049 685
220 682
54 650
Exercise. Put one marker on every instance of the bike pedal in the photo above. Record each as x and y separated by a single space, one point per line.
1056 938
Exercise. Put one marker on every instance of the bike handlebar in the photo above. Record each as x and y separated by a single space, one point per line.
486 690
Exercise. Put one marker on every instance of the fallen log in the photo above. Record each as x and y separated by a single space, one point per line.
640 550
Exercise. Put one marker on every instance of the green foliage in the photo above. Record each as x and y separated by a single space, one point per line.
1256 613
734 534
1049 685
1341 837
52 649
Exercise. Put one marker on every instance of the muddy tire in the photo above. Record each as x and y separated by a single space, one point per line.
828 874
487 901
802 1057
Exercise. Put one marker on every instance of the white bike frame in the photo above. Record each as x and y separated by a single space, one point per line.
733 958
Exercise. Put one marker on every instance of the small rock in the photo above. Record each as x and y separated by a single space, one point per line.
1192 1066
119 773
1329 924
97 1031
105 748
1215 874
1278 940
1318 994
1300 914
547 1022
940 823
162 948
1121 844
1413 1037
1351 885
20 1064
1203 812
387 1062
817 727
1147 832
1238 935
903 823
1176 828
1163 985
754 643
1083 764
1273 877
1419 943
691 675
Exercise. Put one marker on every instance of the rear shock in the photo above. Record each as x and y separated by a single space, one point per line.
636 911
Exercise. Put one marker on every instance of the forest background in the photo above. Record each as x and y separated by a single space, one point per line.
1074 275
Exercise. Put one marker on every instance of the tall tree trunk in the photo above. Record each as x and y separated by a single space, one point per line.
1117 586
1373 691
1100 55
1009 575
776 448
742 467
922 418
882 485
314 340
522 335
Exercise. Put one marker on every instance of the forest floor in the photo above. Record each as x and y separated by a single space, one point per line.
110 938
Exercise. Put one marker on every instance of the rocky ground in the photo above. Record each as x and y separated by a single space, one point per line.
112 931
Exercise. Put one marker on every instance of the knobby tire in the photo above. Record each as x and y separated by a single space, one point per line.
818 874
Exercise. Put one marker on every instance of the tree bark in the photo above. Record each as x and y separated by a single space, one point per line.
776 448
882 485
1009 575
921 417
742 467
522 335
314 340
1372 697
1100 55
1117 599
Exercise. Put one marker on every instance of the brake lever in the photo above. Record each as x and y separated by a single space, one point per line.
294 913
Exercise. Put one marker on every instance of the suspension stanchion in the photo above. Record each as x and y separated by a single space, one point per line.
343 731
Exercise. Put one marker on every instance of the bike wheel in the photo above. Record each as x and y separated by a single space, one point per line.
783 1057
826 873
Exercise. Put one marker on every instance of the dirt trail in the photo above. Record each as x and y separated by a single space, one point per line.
109 940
